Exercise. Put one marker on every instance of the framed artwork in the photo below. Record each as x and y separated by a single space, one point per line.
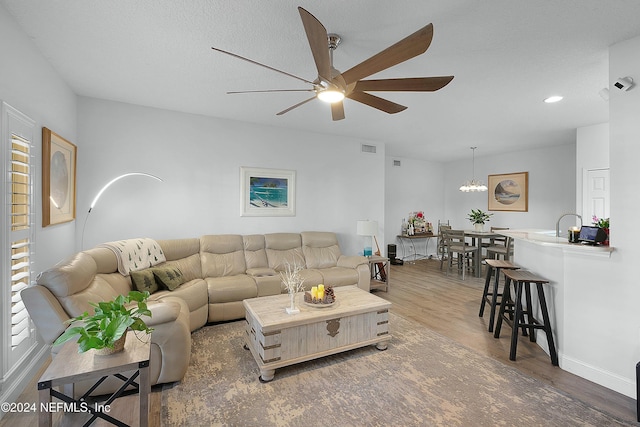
267 192
509 192
58 179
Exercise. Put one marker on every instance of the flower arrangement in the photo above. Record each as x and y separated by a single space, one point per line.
600 222
416 216
418 221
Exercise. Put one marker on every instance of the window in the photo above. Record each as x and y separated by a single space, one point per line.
18 336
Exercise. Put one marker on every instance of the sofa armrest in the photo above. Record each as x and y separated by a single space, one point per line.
352 261
261 272
45 311
161 312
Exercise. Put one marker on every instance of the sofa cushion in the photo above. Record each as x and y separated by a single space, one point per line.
69 276
284 249
184 254
310 278
168 277
321 257
339 276
321 249
97 291
231 288
222 255
254 251
144 280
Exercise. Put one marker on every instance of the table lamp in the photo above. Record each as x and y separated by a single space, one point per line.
367 228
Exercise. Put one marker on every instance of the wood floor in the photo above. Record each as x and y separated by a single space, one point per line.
445 304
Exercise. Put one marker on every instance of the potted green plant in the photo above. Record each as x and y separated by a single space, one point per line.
478 218
105 329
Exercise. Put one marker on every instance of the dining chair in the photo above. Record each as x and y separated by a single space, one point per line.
501 248
441 247
494 240
458 250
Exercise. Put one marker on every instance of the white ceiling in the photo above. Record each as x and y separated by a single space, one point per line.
506 56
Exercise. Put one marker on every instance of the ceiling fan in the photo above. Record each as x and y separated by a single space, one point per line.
333 86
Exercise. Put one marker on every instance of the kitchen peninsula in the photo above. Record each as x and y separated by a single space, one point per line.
578 276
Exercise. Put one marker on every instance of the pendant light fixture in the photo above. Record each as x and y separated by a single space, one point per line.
474 184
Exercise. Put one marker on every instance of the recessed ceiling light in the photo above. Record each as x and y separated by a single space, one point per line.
552 99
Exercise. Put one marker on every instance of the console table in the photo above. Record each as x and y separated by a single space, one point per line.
407 243
69 367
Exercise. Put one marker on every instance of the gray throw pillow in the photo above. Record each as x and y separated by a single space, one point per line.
168 277
144 280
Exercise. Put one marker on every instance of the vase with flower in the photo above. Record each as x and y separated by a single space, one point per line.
604 224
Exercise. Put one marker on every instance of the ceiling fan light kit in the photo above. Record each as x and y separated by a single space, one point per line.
330 95
333 87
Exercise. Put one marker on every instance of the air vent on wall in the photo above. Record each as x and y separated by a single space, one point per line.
396 163
368 148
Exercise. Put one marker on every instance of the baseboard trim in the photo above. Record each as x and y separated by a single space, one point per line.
610 380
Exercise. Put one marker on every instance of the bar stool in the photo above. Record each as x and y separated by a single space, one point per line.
523 279
493 266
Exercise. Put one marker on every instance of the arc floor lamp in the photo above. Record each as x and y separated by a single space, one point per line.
103 189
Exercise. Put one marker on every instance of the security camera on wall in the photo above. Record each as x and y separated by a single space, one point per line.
624 83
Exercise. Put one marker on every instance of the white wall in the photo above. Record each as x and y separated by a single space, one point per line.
619 292
199 159
415 185
552 185
29 84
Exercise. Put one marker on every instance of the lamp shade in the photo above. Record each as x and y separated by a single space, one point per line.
367 228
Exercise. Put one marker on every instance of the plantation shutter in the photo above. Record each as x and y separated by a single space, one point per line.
21 224
18 235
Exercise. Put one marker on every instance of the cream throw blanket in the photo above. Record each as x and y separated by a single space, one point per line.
135 254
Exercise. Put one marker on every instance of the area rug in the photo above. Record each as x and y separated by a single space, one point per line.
422 379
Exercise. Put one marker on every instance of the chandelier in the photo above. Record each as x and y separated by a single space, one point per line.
474 184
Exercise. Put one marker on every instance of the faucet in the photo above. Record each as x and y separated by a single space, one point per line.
562 216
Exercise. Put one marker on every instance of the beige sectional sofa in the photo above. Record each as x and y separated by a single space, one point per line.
218 273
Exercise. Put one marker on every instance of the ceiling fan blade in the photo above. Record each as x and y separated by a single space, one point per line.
407 48
318 41
265 66
295 106
415 84
269 91
376 102
337 111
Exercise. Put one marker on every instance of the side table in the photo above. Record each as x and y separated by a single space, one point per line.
69 367
380 271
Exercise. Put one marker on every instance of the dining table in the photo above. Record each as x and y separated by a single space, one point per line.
476 240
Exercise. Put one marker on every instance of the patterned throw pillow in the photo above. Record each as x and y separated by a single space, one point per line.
144 280
168 277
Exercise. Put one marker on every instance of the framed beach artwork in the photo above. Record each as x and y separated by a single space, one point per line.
509 192
58 179
267 192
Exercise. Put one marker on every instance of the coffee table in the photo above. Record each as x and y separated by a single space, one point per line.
277 339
